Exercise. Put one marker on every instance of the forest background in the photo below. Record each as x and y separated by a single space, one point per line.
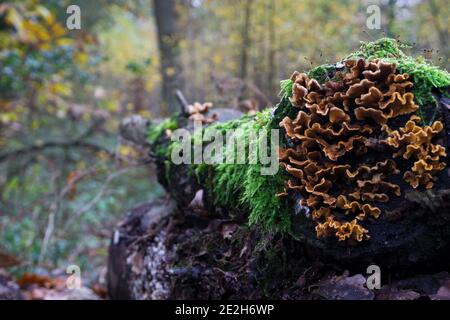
65 177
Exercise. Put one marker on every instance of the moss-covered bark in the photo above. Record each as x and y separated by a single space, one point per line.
241 186
239 240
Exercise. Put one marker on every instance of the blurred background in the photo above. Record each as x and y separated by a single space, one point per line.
65 177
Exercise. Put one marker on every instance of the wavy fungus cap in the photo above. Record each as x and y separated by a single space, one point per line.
334 159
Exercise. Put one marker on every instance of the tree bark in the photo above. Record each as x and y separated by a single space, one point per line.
390 18
169 36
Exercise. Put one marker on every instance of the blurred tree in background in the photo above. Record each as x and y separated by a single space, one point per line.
65 179
64 175
169 37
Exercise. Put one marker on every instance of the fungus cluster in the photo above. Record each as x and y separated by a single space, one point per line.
414 142
198 112
336 146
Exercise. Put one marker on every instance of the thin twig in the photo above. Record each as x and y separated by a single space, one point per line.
182 101
94 200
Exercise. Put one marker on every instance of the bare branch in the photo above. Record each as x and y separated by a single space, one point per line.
182 101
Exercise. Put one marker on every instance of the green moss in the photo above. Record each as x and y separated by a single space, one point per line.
242 186
157 132
282 109
267 210
380 49
167 164
286 88
320 73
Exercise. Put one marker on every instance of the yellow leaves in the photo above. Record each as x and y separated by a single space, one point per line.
183 44
145 114
39 34
45 14
34 32
64 42
129 106
81 58
81 165
112 106
226 12
128 151
35 26
86 116
217 58
235 38
138 44
8 117
57 30
35 124
10 112
14 19
60 89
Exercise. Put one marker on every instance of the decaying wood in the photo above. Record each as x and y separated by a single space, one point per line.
210 252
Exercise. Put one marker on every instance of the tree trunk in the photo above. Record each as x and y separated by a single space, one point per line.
442 32
245 39
169 36
390 18
271 74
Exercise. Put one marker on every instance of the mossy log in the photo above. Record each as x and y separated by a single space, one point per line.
191 249
229 236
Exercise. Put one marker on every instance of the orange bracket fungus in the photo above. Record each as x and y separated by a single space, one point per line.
333 144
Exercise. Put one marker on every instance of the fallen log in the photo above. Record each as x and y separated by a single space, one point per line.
363 180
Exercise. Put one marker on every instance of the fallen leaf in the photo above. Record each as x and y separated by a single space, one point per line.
33 279
100 290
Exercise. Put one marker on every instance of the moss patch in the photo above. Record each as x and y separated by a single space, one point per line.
242 186
157 132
